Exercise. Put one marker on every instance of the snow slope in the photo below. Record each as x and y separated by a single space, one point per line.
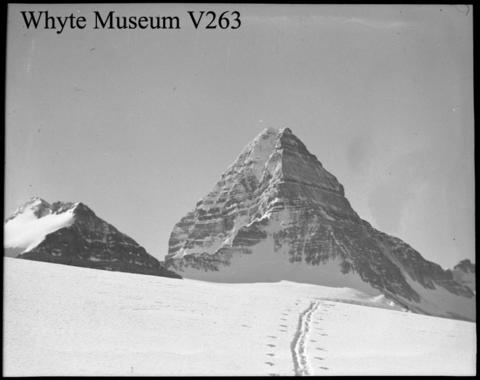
27 230
63 320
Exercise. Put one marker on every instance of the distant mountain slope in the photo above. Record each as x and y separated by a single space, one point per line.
71 233
464 273
277 214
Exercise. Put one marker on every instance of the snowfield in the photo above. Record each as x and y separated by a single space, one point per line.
62 320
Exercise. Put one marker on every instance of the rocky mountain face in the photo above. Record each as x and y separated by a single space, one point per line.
71 233
464 273
277 214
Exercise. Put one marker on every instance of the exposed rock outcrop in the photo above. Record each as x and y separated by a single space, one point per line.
464 273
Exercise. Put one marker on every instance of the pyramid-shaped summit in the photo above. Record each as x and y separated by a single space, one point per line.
277 214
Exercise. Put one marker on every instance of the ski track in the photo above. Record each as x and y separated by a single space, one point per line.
299 342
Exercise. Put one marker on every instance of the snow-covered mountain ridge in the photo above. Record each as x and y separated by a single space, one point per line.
277 214
70 233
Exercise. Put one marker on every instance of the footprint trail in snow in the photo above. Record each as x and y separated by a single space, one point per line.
299 344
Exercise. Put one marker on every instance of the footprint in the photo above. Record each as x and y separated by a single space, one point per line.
325 368
269 363
271 345
285 326
318 358
247 326
271 354
271 336
324 334
313 341
321 349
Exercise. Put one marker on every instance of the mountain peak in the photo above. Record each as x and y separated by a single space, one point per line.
34 201
77 208
70 233
277 214
268 131
285 131
35 205
279 154
271 132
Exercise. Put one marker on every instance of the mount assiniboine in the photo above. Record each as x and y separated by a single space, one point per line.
278 214
71 233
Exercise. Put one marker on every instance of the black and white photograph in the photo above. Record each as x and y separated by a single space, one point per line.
239 190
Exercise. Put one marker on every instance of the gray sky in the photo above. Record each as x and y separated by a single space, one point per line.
140 124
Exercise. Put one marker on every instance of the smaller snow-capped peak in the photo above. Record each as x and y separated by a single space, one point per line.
71 234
